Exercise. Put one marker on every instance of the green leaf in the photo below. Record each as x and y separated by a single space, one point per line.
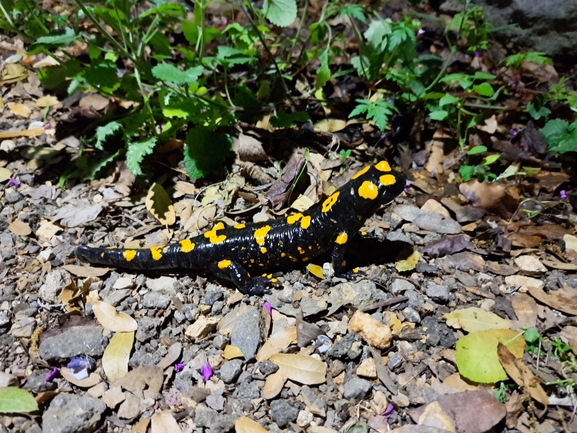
171 74
102 75
466 172
531 335
477 150
47 42
490 159
561 136
104 131
136 152
354 11
377 34
439 115
281 13
205 151
287 120
323 71
480 75
16 400
476 354
447 100
484 89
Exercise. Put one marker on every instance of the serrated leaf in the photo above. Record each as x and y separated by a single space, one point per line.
475 319
300 368
476 354
561 136
354 11
205 151
136 152
16 400
158 203
105 131
281 13
377 33
172 74
116 355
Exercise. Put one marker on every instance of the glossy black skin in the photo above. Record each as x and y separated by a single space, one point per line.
246 256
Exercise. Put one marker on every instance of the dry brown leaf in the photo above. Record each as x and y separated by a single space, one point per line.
273 385
47 101
434 416
86 271
116 355
94 101
483 195
164 422
5 174
455 381
564 299
111 319
47 230
248 148
247 425
141 426
159 205
19 228
21 110
330 125
277 342
521 374
26 133
300 368
90 381
232 352
525 309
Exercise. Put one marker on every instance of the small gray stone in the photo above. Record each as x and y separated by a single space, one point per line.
356 388
36 383
70 413
146 329
415 298
248 390
164 285
230 370
395 361
312 307
74 341
55 282
411 315
143 357
213 294
7 379
438 292
156 301
401 286
216 400
348 347
23 328
283 413
246 333
267 367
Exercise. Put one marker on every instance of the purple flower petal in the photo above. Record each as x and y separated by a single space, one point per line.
563 194
178 367
268 307
14 182
51 375
206 371
389 411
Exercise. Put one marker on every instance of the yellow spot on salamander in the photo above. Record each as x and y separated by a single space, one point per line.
329 202
260 234
102 255
263 250
240 226
291 219
283 254
223 264
186 246
361 172
213 237
387 179
383 166
156 253
273 280
305 222
342 238
368 190
301 250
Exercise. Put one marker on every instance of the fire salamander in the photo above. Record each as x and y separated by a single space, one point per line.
230 253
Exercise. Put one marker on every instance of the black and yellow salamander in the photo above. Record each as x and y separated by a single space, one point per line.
233 253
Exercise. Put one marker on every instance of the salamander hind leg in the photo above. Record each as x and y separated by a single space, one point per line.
236 273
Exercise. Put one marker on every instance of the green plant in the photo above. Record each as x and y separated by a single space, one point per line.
516 60
560 135
501 392
482 170
471 25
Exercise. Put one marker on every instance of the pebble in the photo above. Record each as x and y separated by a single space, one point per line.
7 379
411 315
348 347
202 327
156 301
315 404
530 264
23 328
215 400
73 341
356 388
55 281
401 286
69 413
283 413
230 370
246 333
147 329
36 382
438 292
367 368
374 332
267 367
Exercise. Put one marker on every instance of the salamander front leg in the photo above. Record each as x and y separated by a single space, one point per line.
236 273
338 255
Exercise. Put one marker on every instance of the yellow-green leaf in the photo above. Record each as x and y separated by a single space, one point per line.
116 355
16 400
476 354
111 319
316 270
475 319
